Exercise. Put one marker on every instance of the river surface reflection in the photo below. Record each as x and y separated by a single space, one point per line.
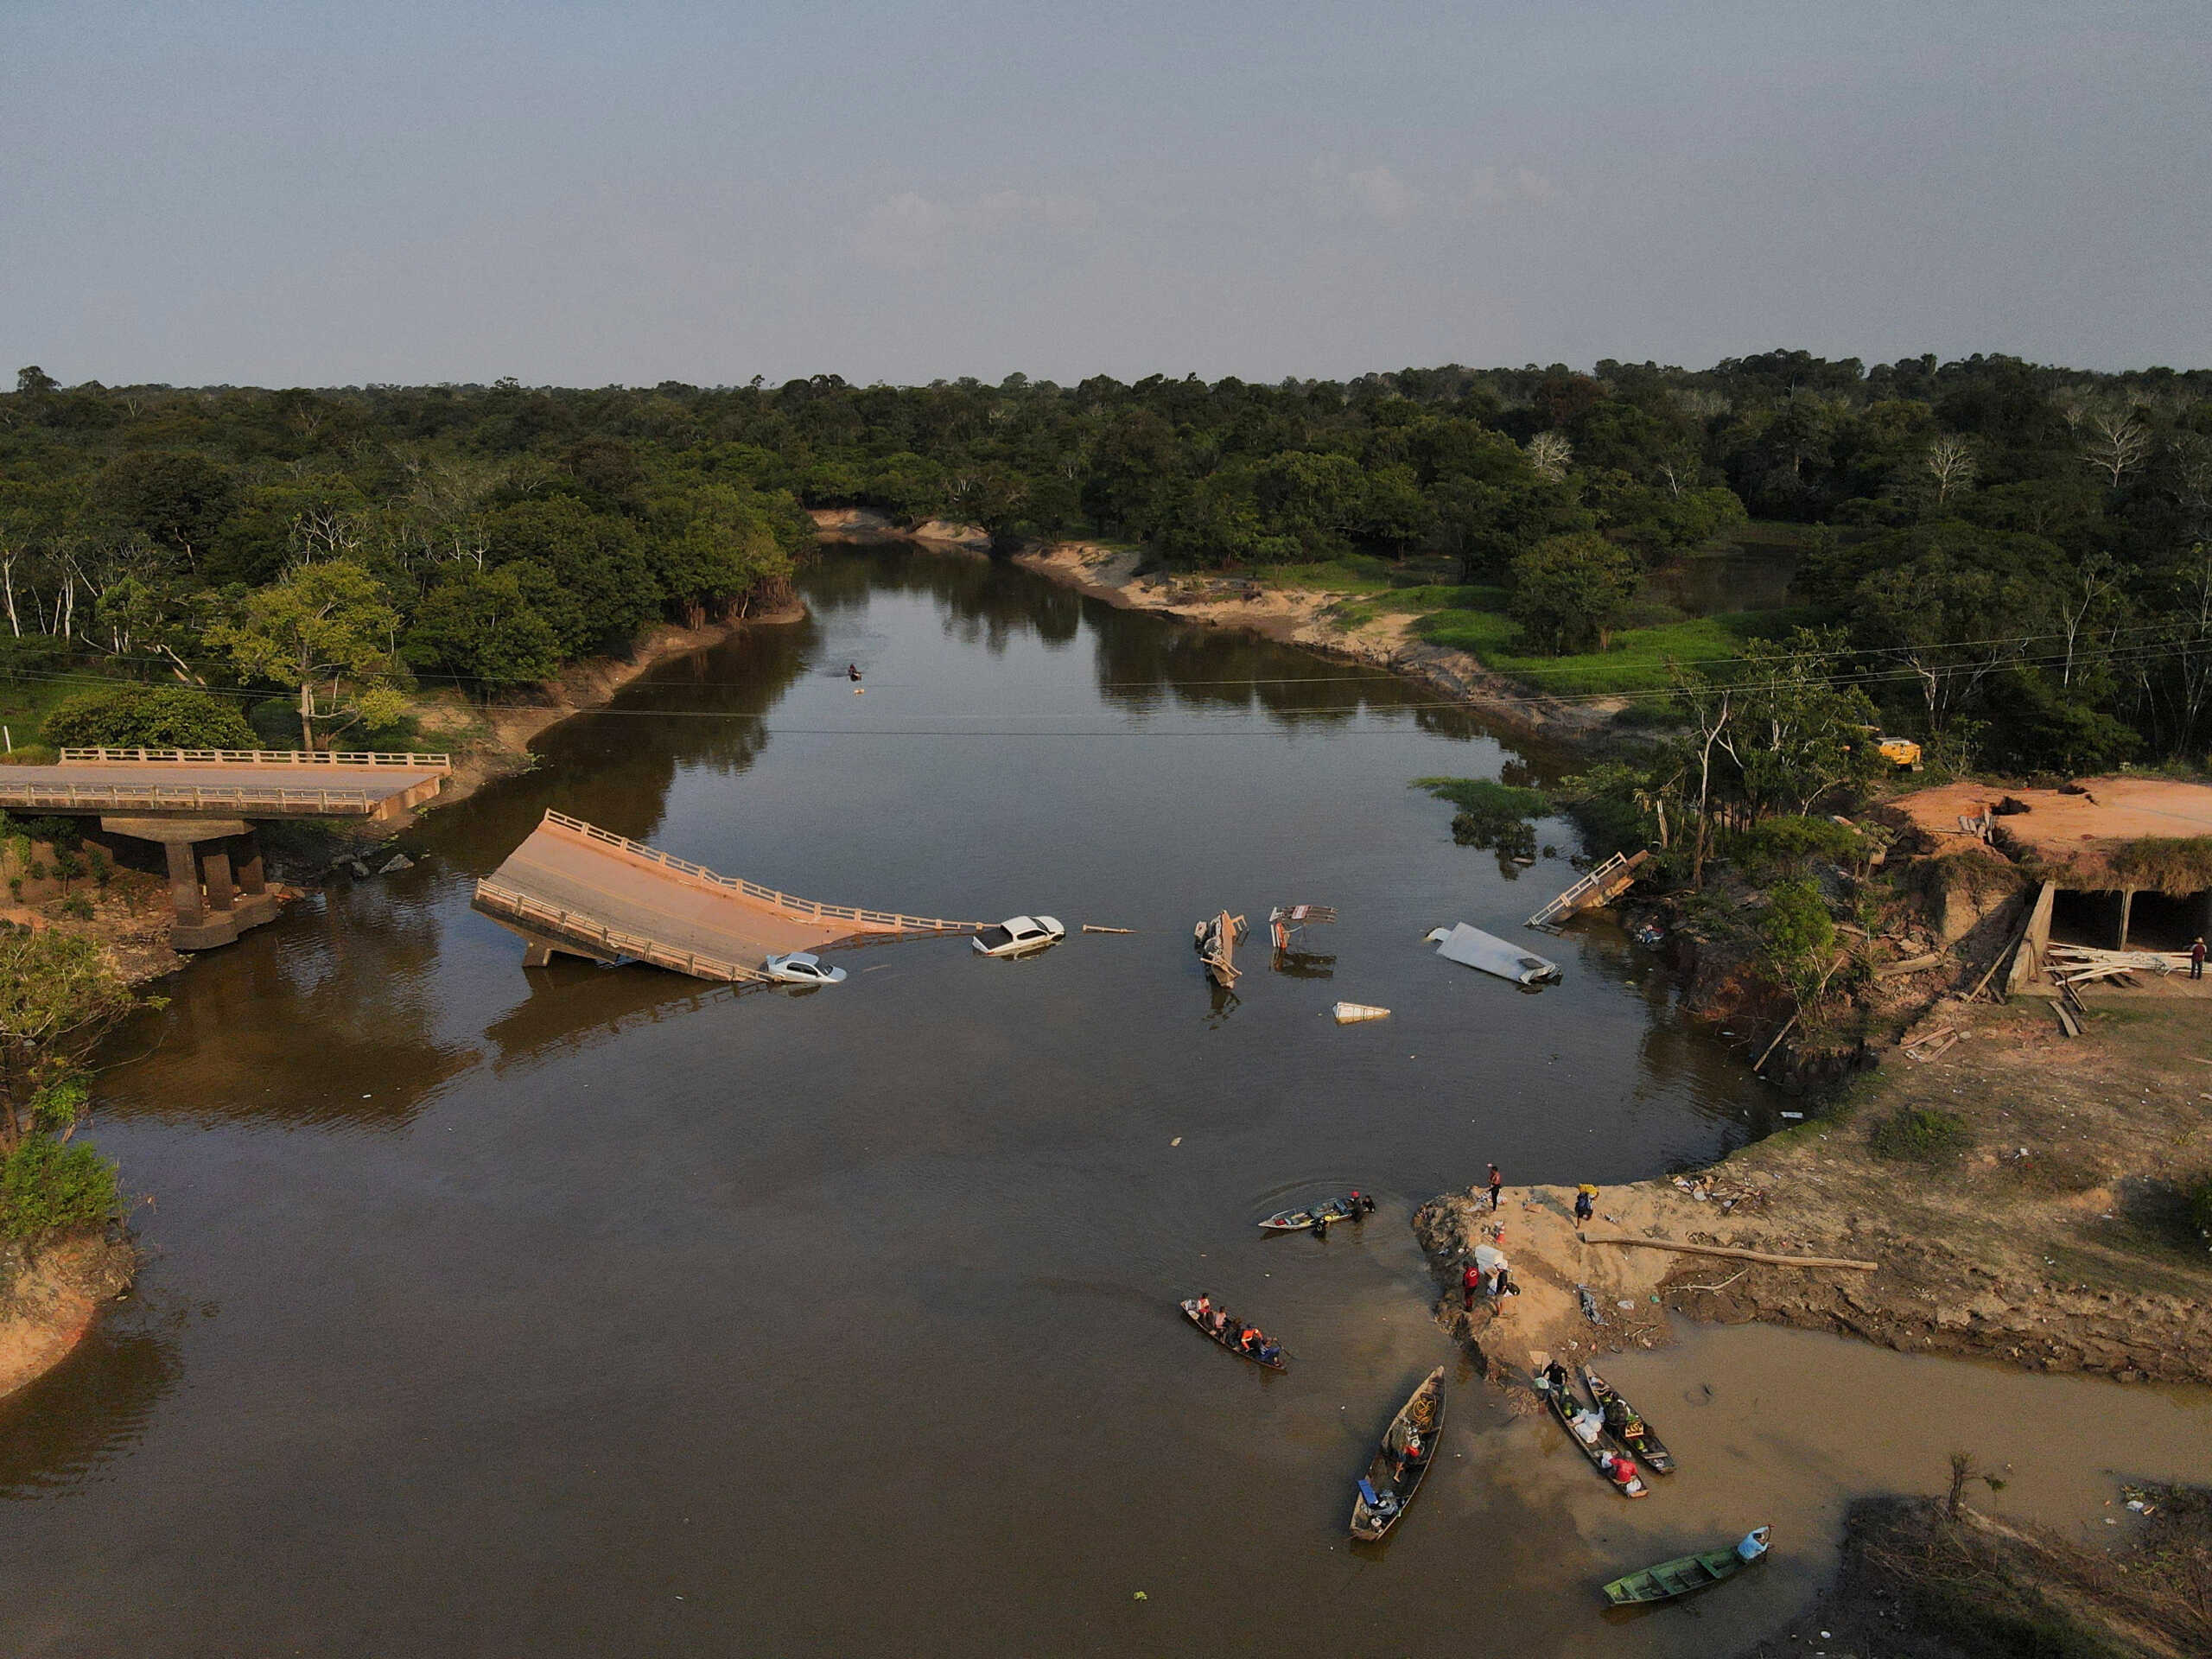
586 1310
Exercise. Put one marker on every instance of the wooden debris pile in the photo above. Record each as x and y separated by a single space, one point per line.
2080 964
1928 1043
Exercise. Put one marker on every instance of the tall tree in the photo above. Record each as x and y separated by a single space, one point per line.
326 629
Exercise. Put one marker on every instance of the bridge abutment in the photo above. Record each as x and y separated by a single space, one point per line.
213 905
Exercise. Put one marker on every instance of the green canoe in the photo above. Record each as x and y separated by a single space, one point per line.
1678 1578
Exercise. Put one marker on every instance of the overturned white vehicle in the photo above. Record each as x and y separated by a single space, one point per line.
1473 948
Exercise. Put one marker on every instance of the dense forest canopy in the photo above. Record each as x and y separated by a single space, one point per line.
2030 546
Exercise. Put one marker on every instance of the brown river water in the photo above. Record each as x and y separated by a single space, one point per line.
594 1311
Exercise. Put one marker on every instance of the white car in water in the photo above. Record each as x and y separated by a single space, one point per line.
803 968
1018 936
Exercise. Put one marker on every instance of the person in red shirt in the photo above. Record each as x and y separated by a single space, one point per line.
1470 1282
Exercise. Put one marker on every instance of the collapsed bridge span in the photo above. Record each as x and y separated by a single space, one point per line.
573 888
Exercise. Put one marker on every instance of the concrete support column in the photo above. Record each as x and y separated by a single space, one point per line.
215 863
184 882
2127 908
251 878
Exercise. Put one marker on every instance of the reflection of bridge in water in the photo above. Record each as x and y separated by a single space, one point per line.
574 889
200 805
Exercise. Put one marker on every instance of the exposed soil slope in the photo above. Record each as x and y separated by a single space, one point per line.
2055 1237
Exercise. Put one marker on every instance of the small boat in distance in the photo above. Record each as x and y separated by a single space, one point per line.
1473 948
1407 1449
1622 1423
1227 1338
1351 1012
1688 1572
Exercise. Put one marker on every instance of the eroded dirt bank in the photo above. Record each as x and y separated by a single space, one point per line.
2037 1215
493 741
1919 1583
49 1297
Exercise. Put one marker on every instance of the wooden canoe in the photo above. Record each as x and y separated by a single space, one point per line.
1564 1406
1190 1313
1686 1573
1624 1424
1393 1476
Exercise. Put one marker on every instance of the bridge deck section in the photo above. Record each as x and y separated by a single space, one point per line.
246 783
574 887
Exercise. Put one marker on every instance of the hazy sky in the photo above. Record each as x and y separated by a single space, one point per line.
585 194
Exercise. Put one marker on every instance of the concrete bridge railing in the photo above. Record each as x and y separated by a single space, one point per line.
496 899
426 762
804 909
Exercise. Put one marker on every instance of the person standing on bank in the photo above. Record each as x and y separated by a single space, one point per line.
1497 1185
1584 1206
2197 958
1471 1281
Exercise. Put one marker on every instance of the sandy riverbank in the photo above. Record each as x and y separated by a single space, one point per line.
2052 1233
49 1297
1306 617
1299 616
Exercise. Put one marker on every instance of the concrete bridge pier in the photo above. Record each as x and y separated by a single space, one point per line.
214 900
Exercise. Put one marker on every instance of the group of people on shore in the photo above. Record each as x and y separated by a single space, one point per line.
1488 1273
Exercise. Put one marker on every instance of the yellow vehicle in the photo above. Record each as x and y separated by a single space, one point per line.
1900 752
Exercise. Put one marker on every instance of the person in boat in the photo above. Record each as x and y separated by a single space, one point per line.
852 672
1204 1309
1409 1455
1617 1469
1232 1330
1253 1340
1555 1379
1322 1216
1270 1351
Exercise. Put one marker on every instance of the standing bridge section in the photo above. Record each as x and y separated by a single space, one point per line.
200 805
574 889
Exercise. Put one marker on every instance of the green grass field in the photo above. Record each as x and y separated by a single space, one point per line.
1638 661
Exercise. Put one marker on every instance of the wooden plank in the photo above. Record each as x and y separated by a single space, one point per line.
1910 965
1732 1254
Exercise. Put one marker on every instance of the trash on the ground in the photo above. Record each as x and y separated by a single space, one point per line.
1351 1012
398 863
